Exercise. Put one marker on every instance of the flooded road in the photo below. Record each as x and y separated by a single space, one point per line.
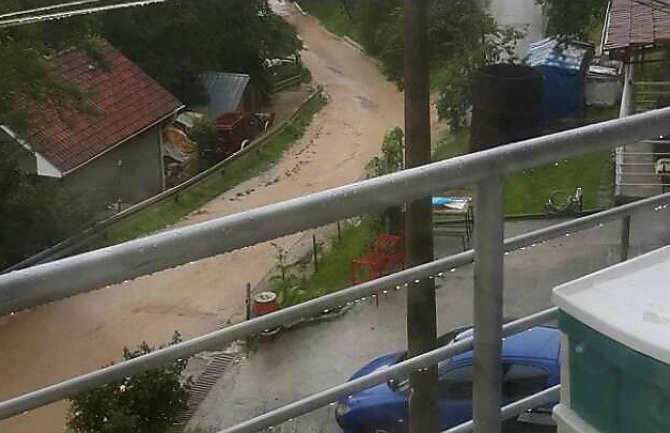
80 334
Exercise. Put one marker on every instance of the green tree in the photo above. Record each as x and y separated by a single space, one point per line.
34 213
392 155
147 402
175 41
578 19
462 38
391 160
204 133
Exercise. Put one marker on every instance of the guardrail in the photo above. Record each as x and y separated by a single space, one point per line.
88 271
96 231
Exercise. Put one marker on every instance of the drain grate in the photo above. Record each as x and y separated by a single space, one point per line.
201 387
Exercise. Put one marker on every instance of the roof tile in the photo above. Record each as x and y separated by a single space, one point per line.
636 23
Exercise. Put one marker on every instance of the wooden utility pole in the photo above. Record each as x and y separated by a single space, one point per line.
421 315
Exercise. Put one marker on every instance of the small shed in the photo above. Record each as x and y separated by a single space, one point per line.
227 93
563 64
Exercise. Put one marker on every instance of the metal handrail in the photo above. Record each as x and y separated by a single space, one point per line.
66 277
231 333
88 271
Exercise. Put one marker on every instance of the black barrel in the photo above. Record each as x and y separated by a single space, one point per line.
507 105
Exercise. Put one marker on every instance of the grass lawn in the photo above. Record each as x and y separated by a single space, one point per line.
527 192
243 168
331 15
334 266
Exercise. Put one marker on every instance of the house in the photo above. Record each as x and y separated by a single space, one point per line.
638 33
112 151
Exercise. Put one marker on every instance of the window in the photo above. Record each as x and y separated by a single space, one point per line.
457 383
522 381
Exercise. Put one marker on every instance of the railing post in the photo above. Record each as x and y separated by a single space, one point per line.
488 296
625 237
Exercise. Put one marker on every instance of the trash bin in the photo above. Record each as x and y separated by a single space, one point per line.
264 303
616 348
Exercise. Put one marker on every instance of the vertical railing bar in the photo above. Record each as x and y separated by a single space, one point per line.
541 398
489 250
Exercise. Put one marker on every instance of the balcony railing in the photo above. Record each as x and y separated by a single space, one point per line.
85 272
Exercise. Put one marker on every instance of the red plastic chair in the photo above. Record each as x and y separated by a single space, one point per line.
392 248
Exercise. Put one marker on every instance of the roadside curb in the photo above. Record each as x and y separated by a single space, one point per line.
353 43
300 9
325 316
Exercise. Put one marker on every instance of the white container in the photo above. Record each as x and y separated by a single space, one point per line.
628 302
619 321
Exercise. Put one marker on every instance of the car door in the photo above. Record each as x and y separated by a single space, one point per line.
455 395
522 379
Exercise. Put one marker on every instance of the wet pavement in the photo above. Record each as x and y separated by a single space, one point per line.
311 359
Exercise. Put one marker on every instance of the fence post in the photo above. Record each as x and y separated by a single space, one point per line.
339 231
315 252
488 297
248 301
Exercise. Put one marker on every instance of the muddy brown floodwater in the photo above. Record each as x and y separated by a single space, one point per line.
82 333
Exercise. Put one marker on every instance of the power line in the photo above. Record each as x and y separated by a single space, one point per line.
14 22
48 8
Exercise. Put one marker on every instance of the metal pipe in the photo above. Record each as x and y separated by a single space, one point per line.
66 277
541 398
71 387
624 112
315 401
48 8
488 305
33 19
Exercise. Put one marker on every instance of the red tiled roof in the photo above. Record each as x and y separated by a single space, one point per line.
124 101
637 23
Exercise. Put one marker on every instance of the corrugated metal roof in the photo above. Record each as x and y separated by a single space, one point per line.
554 53
225 91
637 23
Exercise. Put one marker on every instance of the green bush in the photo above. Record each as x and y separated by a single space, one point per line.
147 402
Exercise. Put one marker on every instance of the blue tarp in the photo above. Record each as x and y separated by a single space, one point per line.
563 65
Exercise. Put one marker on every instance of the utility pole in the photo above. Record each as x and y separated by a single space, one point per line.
421 315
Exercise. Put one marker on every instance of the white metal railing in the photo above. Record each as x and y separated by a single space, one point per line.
47 282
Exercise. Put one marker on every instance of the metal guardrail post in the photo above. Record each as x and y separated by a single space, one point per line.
488 294
625 237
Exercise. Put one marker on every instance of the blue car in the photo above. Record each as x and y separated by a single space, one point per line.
530 360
